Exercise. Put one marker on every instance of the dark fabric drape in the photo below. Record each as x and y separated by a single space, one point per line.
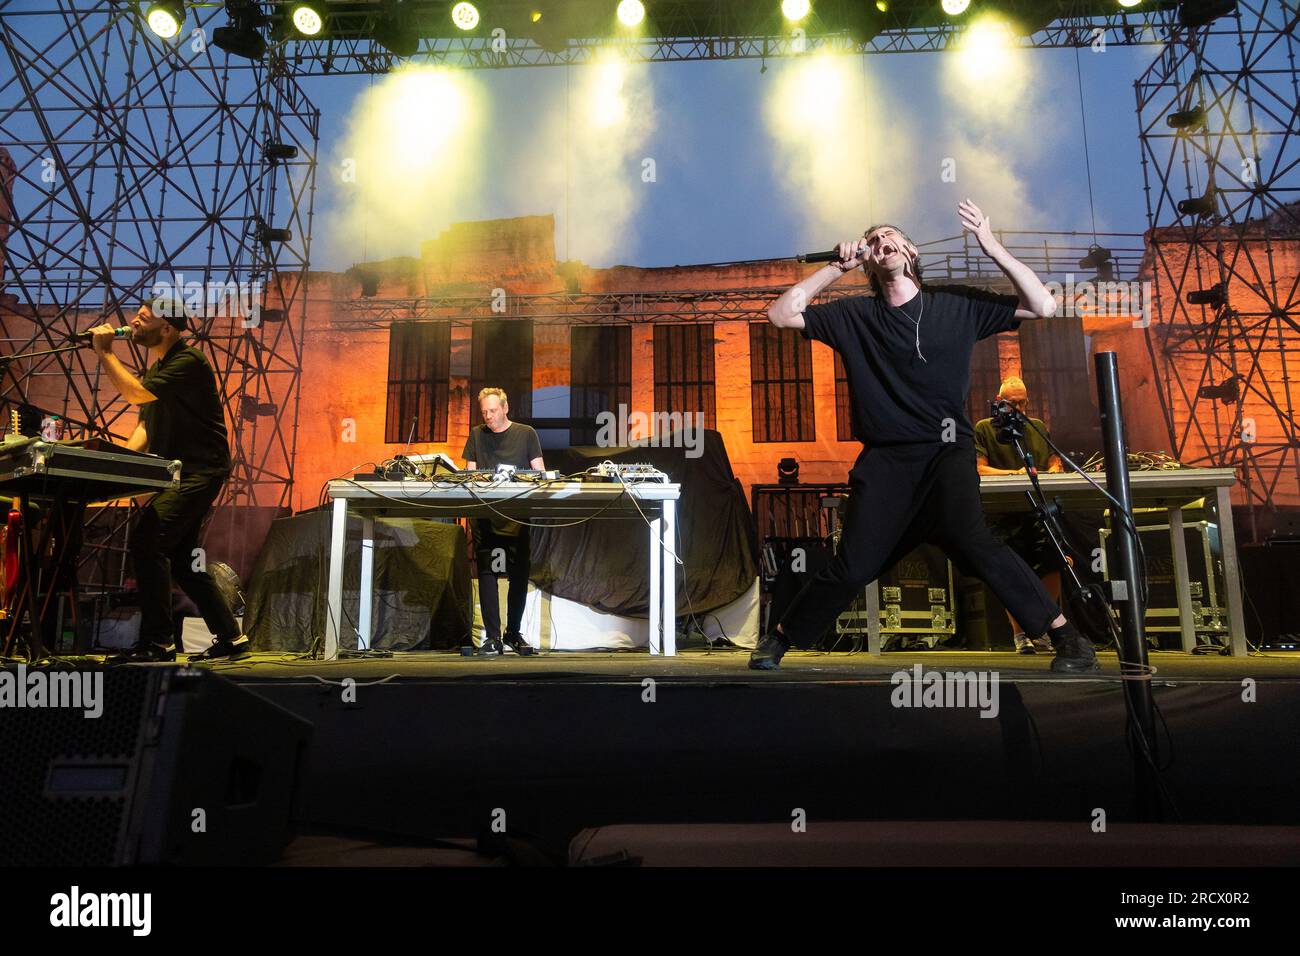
422 585
605 564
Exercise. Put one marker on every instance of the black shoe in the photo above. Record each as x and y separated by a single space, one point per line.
767 655
517 644
1074 652
146 653
224 650
491 647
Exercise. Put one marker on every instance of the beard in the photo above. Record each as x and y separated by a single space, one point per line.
147 337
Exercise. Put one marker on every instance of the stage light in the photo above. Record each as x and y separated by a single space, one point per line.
465 16
984 50
1129 4
1228 391
1186 119
308 18
631 12
882 6
1201 206
955 8
165 17
1097 257
266 234
241 36
1213 296
279 152
1198 13
795 10
395 32
787 471
535 15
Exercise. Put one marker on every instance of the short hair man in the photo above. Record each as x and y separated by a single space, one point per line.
1022 533
498 544
181 417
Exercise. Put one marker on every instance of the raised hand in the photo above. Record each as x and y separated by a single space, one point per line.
974 221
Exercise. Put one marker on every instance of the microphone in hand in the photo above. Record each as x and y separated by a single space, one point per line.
121 332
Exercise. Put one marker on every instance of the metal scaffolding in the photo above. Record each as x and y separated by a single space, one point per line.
1221 161
135 163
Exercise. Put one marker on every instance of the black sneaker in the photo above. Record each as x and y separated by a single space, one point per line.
224 650
1074 652
767 655
146 653
491 647
517 644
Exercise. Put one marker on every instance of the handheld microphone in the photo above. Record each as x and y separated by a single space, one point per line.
121 332
832 256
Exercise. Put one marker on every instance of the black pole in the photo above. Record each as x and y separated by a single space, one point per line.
1127 594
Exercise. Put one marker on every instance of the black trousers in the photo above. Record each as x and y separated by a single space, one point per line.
492 553
163 547
901 496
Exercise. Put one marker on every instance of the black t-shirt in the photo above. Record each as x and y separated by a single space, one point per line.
518 445
896 397
1004 456
187 420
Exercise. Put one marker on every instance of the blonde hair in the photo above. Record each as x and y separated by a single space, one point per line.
1012 381
498 392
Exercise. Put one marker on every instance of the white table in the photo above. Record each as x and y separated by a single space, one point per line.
553 501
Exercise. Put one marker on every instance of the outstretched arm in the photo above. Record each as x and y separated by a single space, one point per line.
1035 301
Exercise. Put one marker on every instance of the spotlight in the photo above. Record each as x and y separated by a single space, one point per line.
631 12
308 17
395 32
1228 391
267 235
1213 296
165 17
1129 4
1097 257
1198 13
465 16
882 6
795 10
279 152
241 36
955 8
1202 206
787 471
1186 119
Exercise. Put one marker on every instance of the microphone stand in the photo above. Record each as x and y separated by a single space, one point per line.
26 355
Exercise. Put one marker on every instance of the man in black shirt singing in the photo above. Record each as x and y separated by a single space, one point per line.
906 354
181 417
502 545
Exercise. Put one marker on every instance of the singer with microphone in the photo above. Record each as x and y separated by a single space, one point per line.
906 351
181 416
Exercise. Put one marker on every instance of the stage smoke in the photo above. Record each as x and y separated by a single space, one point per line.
408 165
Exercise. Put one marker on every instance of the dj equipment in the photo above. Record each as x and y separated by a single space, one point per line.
627 471
89 471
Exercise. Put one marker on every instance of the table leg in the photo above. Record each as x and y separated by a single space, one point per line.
670 579
656 567
365 627
1182 583
1231 574
873 618
334 596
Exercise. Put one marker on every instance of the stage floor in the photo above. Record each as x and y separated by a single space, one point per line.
729 666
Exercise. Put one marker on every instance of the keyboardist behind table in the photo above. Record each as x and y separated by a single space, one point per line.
181 417
500 544
1021 532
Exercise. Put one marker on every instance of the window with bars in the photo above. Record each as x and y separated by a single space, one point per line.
501 356
985 378
419 367
843 404
600 377
781 385
684 369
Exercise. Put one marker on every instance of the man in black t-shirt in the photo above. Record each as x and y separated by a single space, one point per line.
502 545
181 417
1023 533
906 354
